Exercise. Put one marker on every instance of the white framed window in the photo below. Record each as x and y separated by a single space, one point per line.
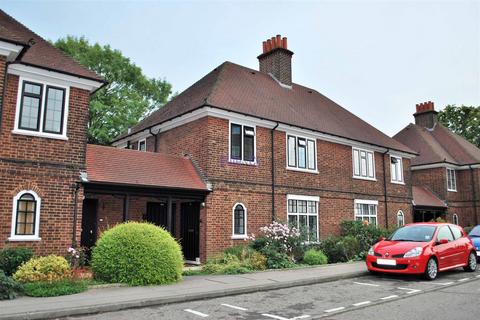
366 210
301 153
242 144
451 180
396 169
455 218
302 212
363 164
42 109
25 217
400 218
142 145
239 220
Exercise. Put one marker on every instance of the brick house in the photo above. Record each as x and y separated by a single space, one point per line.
446 174
271 149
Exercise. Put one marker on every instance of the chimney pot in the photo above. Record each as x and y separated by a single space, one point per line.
284 42
279 41
269 45
264 46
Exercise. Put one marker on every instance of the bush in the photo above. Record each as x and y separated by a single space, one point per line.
367 235
49 268
314 257
235 260
8 287
12 258
468 229
341 249
137 254
55 288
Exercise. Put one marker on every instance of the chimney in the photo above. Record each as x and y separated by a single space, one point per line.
426 116
276 59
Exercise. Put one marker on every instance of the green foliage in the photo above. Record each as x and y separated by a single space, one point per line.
367 235
235 260
55 288
12 258
129 95
137 254
314 257
468 229
340 249
49 268
439 220
276 258
463 120
8 287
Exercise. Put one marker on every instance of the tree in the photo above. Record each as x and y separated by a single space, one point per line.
127 97
464 121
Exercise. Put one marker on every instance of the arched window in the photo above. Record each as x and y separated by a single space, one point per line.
239 221
455 219
25 216
400 218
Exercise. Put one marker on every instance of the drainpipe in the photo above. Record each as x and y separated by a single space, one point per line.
155 136
75 215
274 216
385 187
2 103
474 194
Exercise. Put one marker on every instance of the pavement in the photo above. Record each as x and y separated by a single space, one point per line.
453 295
190 289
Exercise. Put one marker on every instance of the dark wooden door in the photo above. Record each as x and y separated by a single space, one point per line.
157 213
89 224
190 228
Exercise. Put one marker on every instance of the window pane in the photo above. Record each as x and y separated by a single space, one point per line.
28 229
302 206
301 153
32 88
54 110
312 207
312 224
311 154
239 220
292 162
30 113
142 145
371 170
445 233
303 226
356 162
293 221
363 163
248 144
292 206
236 142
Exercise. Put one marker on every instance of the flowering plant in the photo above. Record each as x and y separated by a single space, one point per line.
281 236
76 257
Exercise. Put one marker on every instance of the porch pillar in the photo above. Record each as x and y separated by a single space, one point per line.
126 204
169 214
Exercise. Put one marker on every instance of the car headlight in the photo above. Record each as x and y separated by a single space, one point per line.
415 252
370 251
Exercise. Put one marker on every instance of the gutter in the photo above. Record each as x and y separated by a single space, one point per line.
474 195
274 216
385 187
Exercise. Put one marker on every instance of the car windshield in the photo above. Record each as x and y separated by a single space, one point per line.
475 232
413 233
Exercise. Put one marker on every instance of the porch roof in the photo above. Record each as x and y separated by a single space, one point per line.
423 197
108 165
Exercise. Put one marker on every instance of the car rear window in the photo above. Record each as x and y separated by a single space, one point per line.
413 233
457 233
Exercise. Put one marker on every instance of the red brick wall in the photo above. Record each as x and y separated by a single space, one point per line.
49 166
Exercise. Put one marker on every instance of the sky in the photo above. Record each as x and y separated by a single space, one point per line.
375 58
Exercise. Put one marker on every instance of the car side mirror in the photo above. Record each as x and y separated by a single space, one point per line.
442 241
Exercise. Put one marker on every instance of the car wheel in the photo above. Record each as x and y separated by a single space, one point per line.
431 270
472 263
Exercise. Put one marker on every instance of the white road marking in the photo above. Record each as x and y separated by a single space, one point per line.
301 317
442 283
335 309
367 284
233 307
389 297
274 316
197 313
478 276
410 290
464 279
361 303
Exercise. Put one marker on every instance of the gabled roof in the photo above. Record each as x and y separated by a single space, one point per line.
438 145
108 165
40 53
425 198
246 91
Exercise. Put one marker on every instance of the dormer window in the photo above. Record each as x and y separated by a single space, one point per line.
41 110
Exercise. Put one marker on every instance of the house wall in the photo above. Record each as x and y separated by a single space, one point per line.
50 167
206 140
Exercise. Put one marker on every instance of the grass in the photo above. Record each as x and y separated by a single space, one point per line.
54 289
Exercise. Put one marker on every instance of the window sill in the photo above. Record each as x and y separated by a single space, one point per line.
239 237
451 190
40 134
364 178
248 163
302 170
398 182
26 238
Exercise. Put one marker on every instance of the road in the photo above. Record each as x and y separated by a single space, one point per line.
453 295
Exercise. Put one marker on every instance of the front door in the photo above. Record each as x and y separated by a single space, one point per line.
157 213
190 231
89 224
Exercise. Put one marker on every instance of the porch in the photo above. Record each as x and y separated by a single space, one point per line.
427 206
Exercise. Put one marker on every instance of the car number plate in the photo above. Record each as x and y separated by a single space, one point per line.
387 262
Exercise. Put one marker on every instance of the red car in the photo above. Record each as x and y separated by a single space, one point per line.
423 248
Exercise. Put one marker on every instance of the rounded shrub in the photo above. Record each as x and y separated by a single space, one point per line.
315 257
137 254
12 258
49 268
